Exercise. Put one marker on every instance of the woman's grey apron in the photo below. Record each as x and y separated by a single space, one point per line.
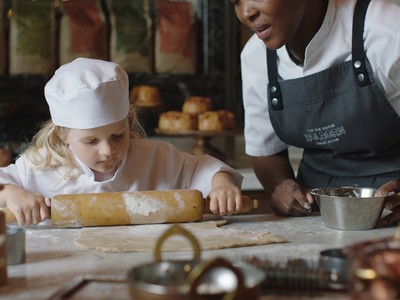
349 131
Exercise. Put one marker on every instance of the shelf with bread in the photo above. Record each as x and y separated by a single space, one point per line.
197 120
180 60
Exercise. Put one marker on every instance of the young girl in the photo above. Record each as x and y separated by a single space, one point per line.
93 143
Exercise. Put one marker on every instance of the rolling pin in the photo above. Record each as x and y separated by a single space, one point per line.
125 208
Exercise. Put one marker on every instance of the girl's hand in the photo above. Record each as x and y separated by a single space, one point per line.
225 197
28 208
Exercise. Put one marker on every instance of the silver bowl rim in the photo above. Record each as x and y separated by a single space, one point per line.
315 192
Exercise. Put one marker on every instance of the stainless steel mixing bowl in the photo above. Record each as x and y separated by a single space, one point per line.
349 208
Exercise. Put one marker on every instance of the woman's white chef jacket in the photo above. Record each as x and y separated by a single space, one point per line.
331 45
149 165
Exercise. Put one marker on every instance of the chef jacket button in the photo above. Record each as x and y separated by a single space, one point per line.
273 89
357 64
360 77
274 101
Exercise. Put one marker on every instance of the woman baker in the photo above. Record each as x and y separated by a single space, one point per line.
324 76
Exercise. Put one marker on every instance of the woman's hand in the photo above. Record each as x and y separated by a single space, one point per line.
225 197
28 208
391 191
290 199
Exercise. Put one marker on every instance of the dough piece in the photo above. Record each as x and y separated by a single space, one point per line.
177 121
143 238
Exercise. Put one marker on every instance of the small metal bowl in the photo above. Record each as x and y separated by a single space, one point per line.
349 208
15 245
335 263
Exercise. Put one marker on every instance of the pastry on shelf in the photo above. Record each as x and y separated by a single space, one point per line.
216 121
196 105
177 121
145 96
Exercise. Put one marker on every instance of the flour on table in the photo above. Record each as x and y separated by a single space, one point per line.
143 238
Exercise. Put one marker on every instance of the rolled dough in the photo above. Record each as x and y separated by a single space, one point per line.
143 238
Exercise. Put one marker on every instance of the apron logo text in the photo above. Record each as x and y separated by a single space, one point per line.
324 135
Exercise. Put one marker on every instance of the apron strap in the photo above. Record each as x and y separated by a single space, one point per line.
358 58
358 53
274 90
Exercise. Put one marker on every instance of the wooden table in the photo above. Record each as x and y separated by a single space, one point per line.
53 259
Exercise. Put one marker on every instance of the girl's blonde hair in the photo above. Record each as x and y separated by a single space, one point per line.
48 151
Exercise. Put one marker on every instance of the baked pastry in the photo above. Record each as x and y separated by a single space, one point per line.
196 105
145 96
216 120
177 121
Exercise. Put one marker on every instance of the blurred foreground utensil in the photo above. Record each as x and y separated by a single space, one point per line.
296 276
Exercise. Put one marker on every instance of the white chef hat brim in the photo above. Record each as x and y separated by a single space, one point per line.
88 93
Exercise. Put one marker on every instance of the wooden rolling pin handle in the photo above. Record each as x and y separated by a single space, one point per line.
10 217
247 206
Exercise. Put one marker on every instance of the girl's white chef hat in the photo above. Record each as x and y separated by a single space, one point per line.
88 93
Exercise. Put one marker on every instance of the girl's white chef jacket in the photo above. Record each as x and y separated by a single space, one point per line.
149 165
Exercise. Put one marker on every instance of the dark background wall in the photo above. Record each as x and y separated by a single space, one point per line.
23 108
